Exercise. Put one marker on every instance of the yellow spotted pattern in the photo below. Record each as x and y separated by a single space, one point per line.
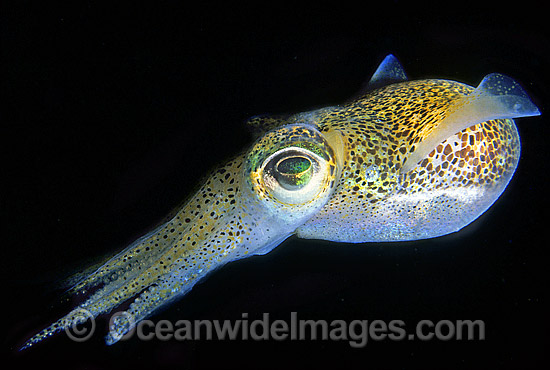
364 195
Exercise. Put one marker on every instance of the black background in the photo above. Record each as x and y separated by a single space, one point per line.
112 113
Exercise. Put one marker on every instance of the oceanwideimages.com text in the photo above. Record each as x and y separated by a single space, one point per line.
356 332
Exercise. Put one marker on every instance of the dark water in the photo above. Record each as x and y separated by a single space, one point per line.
113 115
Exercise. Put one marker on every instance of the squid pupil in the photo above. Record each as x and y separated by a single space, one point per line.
293 165
293 173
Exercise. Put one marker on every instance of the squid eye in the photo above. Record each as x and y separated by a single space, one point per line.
294 175
293 172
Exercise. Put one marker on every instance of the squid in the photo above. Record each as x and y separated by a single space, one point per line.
405 160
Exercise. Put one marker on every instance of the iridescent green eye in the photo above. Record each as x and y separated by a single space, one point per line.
293 172
291 166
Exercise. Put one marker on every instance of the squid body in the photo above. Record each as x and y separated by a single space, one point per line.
406 160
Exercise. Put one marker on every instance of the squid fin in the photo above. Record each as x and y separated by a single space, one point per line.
388 72
496 97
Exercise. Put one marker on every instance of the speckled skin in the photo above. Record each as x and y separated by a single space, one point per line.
358 192
448 189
